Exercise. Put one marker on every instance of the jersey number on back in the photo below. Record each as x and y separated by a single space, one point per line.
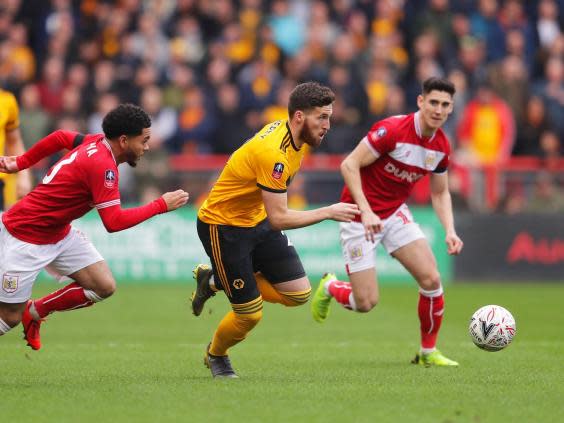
91 149
48 178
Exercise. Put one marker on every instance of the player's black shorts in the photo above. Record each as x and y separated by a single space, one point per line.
236 253
1 195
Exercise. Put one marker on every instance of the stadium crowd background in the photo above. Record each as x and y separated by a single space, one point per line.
212 72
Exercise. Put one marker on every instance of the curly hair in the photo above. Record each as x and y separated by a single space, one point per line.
308 95
125 119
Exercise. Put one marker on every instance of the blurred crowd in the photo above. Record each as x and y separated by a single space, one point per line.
212 72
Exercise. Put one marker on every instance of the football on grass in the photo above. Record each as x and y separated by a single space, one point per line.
492 328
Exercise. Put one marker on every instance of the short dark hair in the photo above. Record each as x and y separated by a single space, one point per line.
437 84
125 119
308 95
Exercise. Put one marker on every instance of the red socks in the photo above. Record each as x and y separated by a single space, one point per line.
70 297
342 292
430 309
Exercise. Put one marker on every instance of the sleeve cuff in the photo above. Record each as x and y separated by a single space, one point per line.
277 191
22 162
161 204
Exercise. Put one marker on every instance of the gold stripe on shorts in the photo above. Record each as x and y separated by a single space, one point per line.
216 251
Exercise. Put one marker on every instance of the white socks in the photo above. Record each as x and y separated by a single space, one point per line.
4 328
92 296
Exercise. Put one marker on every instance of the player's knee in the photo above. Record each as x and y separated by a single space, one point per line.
105 288
431 282
297 298
364 305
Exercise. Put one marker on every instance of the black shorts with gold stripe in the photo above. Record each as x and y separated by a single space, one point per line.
236 253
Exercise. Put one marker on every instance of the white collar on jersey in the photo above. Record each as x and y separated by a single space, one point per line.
418 127
107 144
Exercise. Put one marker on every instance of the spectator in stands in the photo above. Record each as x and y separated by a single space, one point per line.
164 120
35 123
104 103
547 197
551 148
458 78
229 132
487 128
485 26
287 28
18 60
71 105
510 78
180 78
52 84
471 60
376 53
530 129
547 26
551 90
437 17
196 123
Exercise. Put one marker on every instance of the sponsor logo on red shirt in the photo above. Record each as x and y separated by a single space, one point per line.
402 174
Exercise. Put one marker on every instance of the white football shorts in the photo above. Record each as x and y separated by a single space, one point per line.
21 262
398 230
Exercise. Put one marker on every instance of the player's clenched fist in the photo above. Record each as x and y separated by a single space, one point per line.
454 244
8 164
175 199
343 212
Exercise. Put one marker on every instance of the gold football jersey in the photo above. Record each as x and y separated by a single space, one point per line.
9 120
268 161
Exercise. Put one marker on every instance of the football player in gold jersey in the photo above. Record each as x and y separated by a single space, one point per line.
11 144
241 222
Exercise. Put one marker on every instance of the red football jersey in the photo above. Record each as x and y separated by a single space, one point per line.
405 156
84 178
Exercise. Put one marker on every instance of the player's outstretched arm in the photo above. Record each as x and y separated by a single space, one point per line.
343 212
117 219
281 217
52 143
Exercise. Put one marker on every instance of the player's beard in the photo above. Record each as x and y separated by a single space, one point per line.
131 158
307 135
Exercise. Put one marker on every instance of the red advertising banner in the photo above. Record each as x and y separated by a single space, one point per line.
519 247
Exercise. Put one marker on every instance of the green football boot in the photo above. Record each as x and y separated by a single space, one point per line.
321 300
435 358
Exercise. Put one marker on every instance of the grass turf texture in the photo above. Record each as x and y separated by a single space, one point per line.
138 358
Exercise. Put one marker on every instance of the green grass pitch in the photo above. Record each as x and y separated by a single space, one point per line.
138 358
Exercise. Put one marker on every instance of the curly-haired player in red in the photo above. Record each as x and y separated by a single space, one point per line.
36 233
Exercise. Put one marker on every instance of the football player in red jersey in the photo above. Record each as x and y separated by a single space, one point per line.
379 176
36 232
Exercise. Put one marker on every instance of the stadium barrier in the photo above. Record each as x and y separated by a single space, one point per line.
166 248
511 248
482 188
